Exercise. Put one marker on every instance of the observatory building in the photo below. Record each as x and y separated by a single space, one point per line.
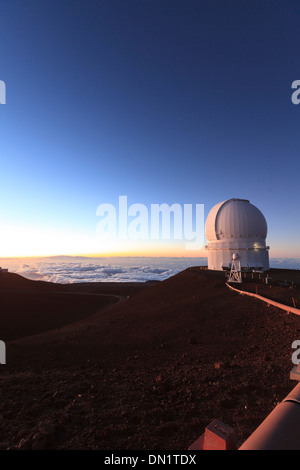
236 228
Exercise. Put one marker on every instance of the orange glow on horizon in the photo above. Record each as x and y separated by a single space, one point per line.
34 242
153 253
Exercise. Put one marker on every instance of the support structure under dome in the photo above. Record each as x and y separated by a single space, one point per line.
235 274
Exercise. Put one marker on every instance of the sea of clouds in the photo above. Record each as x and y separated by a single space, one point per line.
83 269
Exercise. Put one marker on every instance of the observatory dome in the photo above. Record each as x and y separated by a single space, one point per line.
236 226
235 218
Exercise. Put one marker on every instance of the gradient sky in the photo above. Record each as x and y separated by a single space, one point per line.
164 101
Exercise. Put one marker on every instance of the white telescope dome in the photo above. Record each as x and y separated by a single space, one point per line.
235 218
238 227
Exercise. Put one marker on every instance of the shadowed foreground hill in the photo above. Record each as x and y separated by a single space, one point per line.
150 372
30 307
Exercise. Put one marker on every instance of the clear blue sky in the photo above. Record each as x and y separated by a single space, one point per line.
161 100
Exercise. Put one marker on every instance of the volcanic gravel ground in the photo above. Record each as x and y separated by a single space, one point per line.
150 372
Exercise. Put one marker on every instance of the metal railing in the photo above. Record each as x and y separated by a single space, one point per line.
281 429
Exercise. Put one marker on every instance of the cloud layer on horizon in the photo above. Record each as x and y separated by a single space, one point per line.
80 269
87 271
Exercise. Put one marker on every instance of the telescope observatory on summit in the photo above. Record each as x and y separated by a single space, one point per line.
236 227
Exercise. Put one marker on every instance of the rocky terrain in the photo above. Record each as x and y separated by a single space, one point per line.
143 367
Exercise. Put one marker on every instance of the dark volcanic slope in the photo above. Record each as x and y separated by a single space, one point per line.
24 314
151 372
14 281
29 307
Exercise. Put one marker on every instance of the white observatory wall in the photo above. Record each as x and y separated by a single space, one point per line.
221 255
